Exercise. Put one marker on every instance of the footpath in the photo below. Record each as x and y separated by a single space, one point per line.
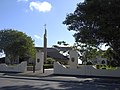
49 76
46 76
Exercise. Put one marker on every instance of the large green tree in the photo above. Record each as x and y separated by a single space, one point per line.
15 43
97 22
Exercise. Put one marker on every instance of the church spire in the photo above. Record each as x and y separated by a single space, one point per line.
45 30
45 44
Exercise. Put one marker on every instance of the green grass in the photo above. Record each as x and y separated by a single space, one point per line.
107 67
46 66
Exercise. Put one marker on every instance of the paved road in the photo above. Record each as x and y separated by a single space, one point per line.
36 83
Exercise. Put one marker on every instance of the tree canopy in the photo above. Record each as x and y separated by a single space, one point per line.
15 43
97 22
62 43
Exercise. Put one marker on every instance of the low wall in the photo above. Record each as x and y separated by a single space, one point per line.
86 70
22 67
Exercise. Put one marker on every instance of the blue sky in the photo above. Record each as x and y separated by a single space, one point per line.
29 16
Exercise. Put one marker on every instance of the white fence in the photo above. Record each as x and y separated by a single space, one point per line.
86 70
22 67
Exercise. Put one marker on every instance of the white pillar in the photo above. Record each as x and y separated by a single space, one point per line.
39 61
73 59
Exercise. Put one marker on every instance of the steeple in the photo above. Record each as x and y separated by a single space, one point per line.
45 44
45 30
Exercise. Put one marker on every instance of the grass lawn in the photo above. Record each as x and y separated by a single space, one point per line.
105 67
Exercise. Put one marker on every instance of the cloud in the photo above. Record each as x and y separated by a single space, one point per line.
22 0
40 6
38 37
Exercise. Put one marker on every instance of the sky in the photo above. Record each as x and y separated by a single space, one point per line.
30 16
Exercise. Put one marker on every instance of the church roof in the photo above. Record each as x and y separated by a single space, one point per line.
53 53
64 49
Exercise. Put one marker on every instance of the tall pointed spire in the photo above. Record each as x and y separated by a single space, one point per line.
45 44
45 30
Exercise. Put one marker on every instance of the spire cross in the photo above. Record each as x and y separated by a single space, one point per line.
45 26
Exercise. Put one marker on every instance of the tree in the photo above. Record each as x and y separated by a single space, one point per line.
15 43
97 22
62 43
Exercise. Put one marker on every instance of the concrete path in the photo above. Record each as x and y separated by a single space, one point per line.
30 73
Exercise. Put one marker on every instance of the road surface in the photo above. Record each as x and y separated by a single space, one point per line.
30 83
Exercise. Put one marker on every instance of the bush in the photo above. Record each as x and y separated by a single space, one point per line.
46 66
50 61
97 66
114 63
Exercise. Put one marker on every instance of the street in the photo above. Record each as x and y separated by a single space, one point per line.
31 83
